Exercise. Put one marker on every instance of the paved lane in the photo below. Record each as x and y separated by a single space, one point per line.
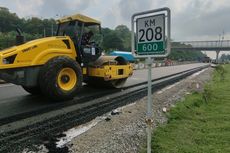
11 91
14 100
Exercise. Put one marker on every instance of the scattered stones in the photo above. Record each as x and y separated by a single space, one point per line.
164 109
115 112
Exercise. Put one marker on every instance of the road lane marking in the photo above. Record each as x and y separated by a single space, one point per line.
76 131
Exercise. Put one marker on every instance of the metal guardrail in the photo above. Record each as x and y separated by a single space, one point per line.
223 45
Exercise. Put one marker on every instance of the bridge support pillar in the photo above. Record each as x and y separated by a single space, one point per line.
217 56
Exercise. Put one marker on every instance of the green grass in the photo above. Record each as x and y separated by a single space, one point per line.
200 123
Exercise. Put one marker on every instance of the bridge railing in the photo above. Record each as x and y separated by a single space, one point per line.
202 44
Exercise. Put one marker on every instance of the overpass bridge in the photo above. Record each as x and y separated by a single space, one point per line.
217 46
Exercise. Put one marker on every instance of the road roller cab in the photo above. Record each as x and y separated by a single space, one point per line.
86 35
57 66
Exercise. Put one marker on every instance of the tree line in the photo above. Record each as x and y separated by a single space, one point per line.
34 27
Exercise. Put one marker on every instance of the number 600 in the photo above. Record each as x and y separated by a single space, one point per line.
150 47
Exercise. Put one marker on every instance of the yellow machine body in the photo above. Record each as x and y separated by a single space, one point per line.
40 51
36 52
111 72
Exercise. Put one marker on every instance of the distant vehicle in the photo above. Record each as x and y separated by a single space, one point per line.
168 62
126 55
206 59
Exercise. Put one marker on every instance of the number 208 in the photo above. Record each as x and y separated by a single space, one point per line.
149 34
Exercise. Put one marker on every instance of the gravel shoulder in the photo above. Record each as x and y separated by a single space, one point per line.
124 131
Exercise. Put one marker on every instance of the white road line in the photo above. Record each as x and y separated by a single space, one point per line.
76 131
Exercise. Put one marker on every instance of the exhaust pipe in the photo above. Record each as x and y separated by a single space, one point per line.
19 38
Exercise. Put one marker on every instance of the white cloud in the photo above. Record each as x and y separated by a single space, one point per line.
23 9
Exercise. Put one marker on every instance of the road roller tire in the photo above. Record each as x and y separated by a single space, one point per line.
32 90
60 78
100 82
119 83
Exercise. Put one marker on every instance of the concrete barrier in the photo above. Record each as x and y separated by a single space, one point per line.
138 66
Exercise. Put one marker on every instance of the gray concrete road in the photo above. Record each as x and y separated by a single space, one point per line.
14 100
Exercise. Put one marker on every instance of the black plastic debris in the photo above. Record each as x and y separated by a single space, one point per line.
107 119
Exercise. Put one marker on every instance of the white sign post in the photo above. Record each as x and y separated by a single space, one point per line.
151 39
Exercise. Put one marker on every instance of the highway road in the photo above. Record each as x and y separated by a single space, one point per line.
14 100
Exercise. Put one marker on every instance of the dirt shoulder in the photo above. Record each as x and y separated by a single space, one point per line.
124 132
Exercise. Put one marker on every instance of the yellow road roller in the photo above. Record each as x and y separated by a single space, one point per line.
57 66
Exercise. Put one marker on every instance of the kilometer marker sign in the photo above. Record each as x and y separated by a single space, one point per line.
151 35
150 42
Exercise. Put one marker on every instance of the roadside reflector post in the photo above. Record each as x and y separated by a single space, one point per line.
150 38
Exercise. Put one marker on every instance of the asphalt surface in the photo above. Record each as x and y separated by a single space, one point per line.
14 100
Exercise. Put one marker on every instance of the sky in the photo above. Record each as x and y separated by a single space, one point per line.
191 19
